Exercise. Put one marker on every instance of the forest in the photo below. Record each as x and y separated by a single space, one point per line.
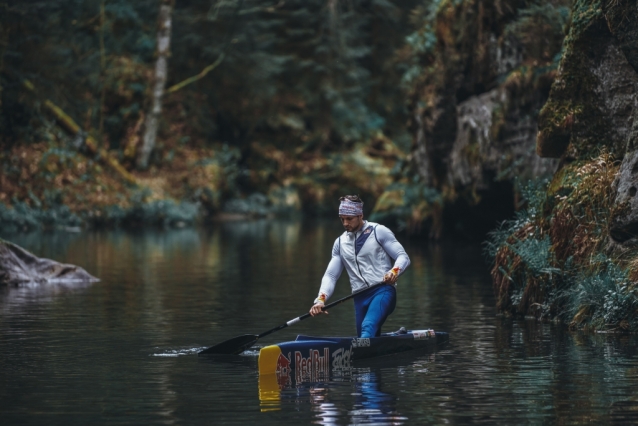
175 112
250 108
505 121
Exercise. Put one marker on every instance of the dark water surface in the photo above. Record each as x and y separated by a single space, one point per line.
123 350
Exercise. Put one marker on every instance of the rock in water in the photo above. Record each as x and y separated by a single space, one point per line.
19 266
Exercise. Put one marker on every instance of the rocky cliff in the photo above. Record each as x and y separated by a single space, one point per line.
571 254
479 73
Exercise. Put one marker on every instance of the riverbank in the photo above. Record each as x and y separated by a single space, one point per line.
51 185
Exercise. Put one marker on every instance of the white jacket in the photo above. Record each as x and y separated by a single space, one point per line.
379 253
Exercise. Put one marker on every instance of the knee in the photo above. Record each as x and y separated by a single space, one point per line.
368 329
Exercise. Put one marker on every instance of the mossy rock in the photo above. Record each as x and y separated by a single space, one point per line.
594 91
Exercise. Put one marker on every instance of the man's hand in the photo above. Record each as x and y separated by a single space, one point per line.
391 276
316 309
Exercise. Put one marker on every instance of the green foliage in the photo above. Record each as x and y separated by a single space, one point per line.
255 205
73 53
301 72
22 217
533 196
160 213
319 62
144 212
403 202
536 255
49 214
228 159
540 28
55 159
604 296
421 42
598 294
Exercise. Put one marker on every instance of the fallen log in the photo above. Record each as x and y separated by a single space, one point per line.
72 127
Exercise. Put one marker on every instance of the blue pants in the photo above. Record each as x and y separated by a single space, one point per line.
372 308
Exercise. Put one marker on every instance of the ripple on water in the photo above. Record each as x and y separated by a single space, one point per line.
179 352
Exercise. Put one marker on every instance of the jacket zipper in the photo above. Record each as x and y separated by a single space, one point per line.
356 261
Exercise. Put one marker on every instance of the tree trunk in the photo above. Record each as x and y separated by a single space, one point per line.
161 70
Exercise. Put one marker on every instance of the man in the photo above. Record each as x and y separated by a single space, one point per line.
367 250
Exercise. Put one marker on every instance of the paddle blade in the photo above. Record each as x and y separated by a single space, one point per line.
233 346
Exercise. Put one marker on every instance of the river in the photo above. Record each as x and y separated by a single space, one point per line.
124 350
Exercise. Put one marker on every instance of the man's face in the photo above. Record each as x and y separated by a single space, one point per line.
351 223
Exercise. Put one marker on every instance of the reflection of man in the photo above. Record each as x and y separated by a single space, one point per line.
367 251
373 405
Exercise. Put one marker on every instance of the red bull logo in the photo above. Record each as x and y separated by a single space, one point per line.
283 370
313 367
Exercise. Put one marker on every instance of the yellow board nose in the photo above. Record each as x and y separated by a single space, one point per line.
269 359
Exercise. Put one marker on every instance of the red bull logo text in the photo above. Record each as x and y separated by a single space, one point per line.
313 367
316 366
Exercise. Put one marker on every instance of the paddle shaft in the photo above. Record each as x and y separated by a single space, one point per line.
307 315
238 344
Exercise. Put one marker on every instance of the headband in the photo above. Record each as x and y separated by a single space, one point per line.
350 208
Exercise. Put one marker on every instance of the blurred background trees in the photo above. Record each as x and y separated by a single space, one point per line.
282 104
320 70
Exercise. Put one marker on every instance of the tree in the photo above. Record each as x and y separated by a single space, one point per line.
160 77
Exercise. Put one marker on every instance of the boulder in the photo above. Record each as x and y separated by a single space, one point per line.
18 266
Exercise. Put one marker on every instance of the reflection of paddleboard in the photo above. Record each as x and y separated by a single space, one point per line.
312 358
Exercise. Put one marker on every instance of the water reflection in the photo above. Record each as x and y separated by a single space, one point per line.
357 394
122 350
13 298
367 403
570 376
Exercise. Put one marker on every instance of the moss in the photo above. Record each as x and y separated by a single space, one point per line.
553 265
585 13
555 124
573 113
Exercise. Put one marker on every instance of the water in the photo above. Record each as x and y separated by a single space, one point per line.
123 350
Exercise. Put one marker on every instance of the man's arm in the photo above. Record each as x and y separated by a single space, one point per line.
395 250
330 277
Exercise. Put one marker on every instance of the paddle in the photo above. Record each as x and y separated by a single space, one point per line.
238 344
